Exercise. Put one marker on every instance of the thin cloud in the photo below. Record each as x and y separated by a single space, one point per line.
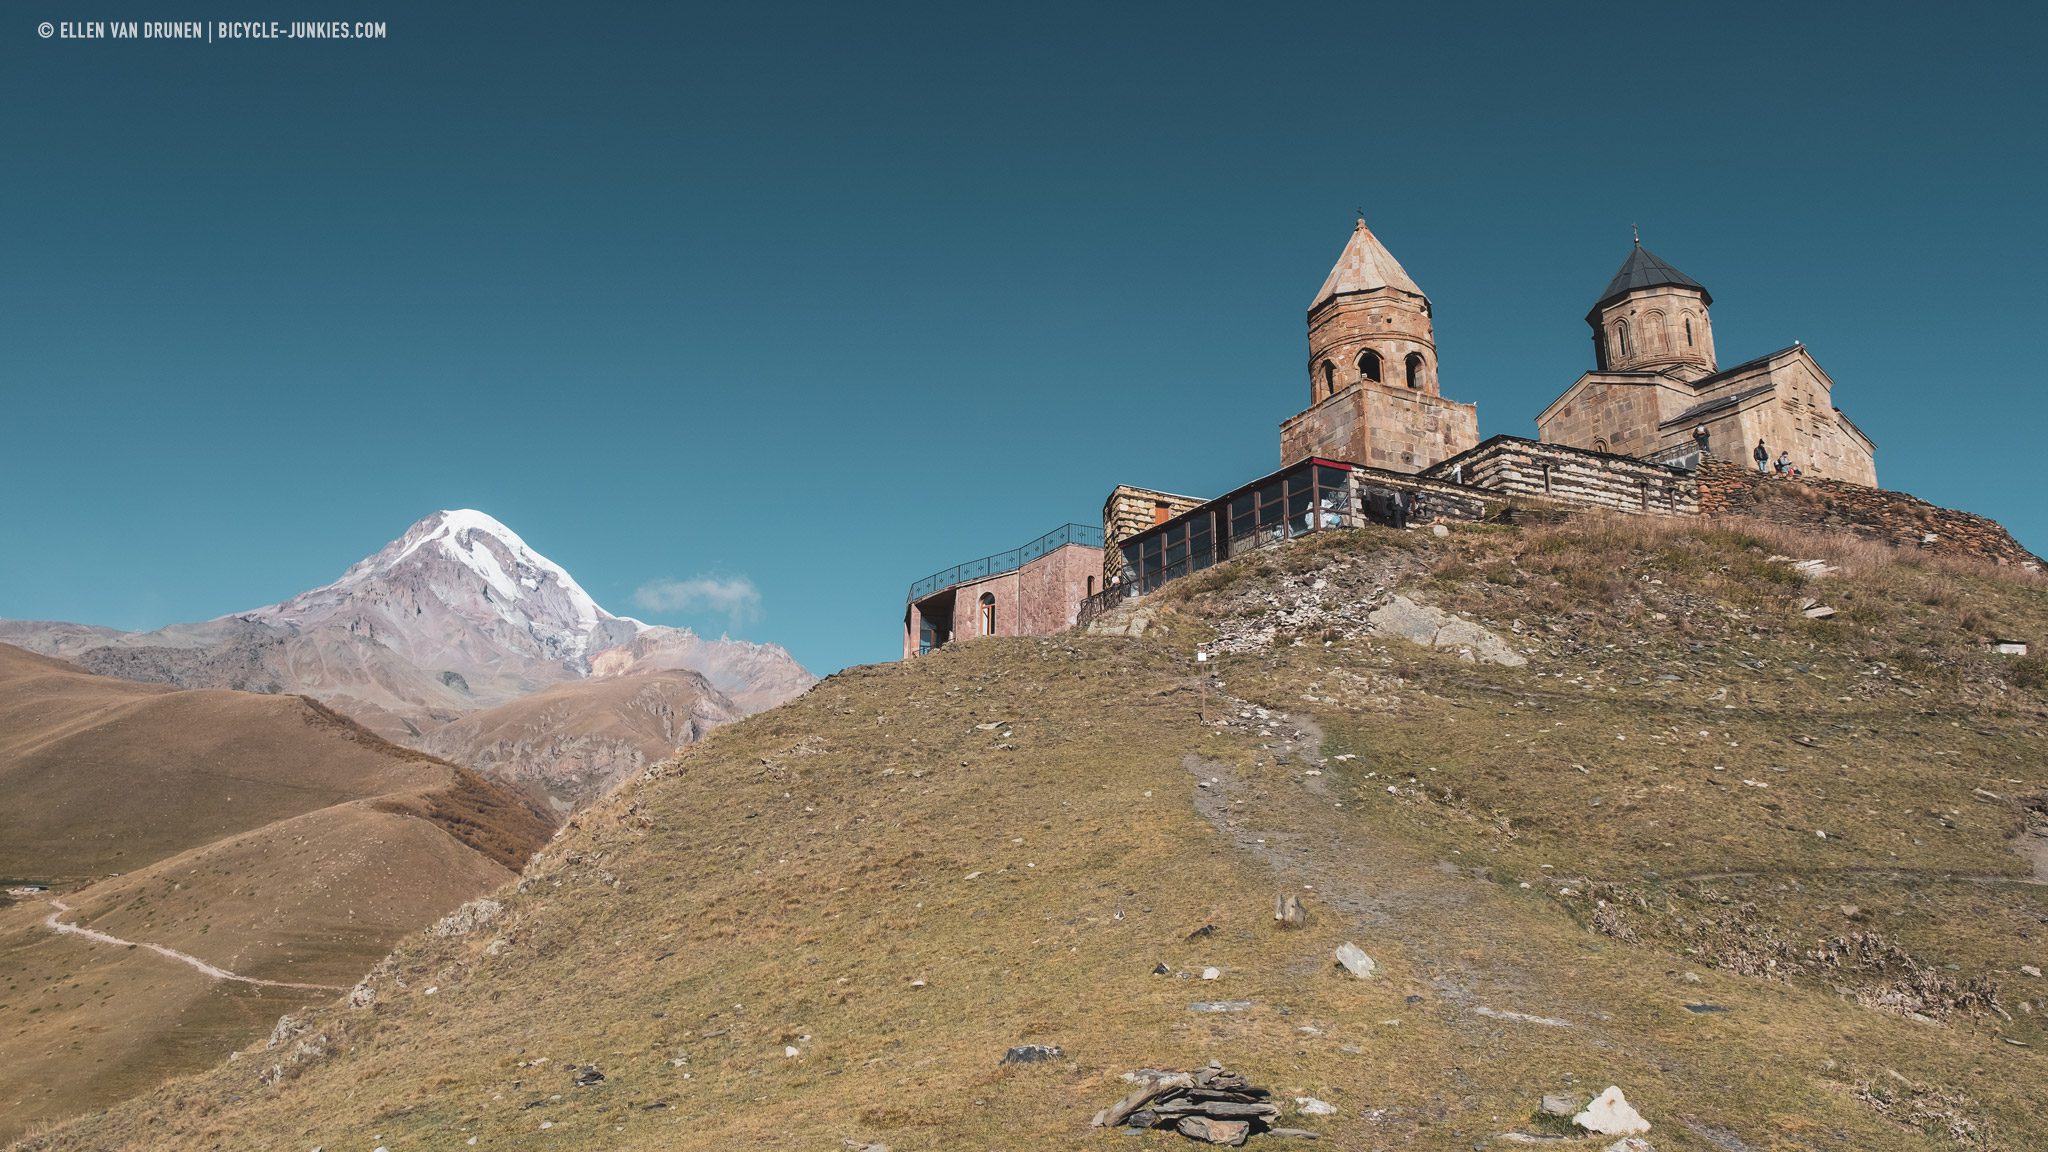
733 597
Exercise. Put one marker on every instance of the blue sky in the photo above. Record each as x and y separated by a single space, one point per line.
825 299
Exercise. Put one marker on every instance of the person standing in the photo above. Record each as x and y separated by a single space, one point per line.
1400 508
1763 457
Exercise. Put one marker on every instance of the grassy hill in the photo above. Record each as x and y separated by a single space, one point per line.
261 835
1766 872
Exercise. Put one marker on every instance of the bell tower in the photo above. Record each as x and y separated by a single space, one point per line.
1369 325
1653 318
1373 397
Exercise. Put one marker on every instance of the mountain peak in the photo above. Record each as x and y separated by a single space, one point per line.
483 544
458 565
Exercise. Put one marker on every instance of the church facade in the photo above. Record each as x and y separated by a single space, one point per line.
1657 392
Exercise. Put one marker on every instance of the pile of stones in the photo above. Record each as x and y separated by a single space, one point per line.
1211 1105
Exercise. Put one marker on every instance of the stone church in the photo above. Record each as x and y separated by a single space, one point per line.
1656 392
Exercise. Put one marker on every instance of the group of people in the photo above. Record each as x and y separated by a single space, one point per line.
1783 466
1391 506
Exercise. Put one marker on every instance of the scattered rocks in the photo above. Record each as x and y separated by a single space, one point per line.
588 1076
1213 1106
1630 1144
1610 1115
468 918
1033 1054
1289 912
1212 974
1520 1017
1355 961
1557 1104
1310 1106
1219 1006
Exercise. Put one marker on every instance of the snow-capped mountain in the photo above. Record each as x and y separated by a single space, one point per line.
458 586
455 616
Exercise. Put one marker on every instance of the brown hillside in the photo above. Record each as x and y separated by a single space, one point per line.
264 836
570 743
1599 861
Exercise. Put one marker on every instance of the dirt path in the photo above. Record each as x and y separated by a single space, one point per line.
1377 885
58 926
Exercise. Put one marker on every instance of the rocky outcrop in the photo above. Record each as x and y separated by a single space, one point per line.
571 743
1893 517
1436 628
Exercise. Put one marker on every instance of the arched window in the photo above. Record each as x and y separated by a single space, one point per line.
988 613
1369 366
1688 331
1091 586
1621 347
1329 378
1415 369
1599 445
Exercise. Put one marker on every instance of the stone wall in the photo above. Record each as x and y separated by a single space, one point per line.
1381 427
1050 590
1129 511
1434 499
1605 412
1512 466
1895 518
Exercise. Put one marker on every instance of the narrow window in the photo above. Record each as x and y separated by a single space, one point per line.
988 613
1415 369
1329 378
1621 338
1369 366
1091 585
1688 331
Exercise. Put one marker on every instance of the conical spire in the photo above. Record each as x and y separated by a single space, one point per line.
1365 265
1643 269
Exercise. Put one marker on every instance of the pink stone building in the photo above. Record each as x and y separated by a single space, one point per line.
1035 590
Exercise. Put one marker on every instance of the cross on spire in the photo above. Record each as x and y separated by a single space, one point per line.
1636 234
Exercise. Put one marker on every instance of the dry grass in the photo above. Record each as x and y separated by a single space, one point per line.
263 834
790 880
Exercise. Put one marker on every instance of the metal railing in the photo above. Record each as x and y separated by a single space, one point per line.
1086 535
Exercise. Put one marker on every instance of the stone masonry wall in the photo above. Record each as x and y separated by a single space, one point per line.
1127 512
1513 466
1435 499
1381 427
1050 590
1728 489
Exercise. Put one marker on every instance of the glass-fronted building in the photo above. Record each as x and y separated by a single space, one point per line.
1310 496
